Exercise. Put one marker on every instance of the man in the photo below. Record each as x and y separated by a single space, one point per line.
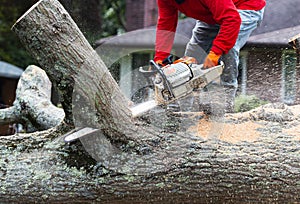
222 29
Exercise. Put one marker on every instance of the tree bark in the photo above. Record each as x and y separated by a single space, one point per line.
32 106
264 171
147 166
88 91
86 15
8 115
52 37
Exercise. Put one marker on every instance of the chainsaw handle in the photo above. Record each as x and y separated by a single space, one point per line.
147 73
156 67
160 71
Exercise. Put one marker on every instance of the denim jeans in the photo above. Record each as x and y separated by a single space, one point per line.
201 43
204 34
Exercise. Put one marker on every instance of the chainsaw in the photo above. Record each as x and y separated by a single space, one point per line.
171 82
175 81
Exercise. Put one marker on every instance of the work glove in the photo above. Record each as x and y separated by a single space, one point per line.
211 60
186 60
159 62
168 60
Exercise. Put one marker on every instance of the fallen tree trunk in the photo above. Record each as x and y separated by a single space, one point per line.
264 171
169 167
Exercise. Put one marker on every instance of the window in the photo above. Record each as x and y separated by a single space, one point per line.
131 80
289 61
242 77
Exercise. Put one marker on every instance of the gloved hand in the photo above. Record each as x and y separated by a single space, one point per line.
187 60
211 60
159 62
167 60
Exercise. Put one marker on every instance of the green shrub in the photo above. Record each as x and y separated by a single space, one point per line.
245 103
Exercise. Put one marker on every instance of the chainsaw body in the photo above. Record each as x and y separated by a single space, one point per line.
175 81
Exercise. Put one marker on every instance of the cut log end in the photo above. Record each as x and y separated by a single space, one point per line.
26 13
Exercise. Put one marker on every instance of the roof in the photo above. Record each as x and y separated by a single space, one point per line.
281 21
114 48
278 37
10 71
279 25
145 37
295 42
279 14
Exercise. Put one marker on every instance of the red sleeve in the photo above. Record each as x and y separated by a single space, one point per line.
226 15
166 27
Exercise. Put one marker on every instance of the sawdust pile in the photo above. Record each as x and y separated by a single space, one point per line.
229 132
246 126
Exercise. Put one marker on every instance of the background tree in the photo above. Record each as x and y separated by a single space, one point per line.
96 18
113 14
11 49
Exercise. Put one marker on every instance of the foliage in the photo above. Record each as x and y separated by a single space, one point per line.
95 18
113 14
11 49
87 16
245 103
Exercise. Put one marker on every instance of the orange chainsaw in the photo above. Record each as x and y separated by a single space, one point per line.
171 82
175 81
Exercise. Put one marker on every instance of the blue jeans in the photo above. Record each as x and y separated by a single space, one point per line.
204 34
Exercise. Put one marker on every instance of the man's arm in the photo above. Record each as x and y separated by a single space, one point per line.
226 15
166 28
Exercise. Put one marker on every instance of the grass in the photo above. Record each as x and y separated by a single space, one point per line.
245 103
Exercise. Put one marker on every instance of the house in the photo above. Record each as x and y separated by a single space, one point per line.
9 76
267 62
269 65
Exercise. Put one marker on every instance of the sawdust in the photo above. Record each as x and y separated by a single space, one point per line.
229 132
245 126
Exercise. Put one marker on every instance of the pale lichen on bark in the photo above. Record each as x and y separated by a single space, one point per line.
181 168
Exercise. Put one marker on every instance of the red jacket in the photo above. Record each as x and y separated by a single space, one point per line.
222 12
